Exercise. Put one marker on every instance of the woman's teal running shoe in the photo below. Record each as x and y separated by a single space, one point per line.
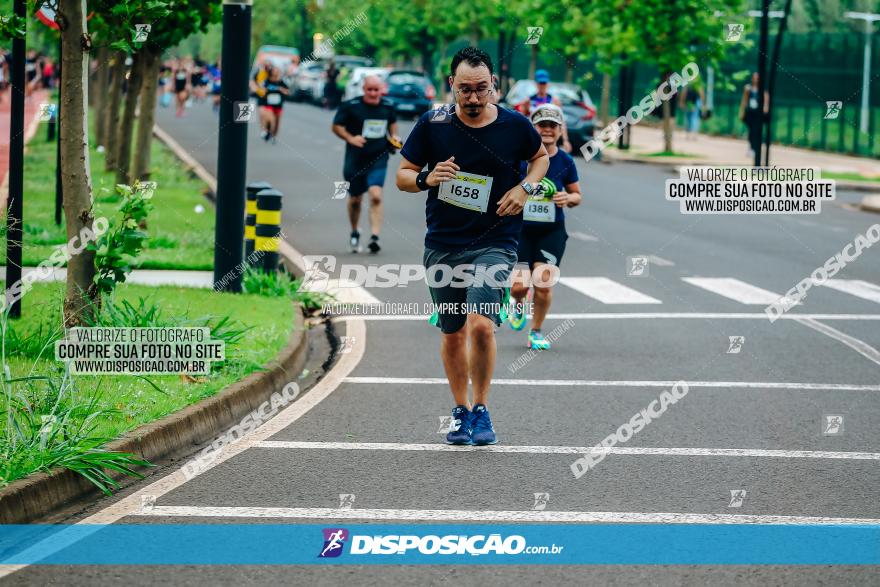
537 341
517 321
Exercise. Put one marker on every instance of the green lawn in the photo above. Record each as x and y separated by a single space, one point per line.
180 238
845 175
134 400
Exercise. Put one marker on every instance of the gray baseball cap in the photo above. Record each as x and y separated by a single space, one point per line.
550 112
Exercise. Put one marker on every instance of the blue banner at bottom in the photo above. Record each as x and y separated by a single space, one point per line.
456 544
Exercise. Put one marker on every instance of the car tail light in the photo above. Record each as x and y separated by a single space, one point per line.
591 111
430 92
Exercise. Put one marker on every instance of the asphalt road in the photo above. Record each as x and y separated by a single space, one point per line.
753 420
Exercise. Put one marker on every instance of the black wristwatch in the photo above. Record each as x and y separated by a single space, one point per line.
422 180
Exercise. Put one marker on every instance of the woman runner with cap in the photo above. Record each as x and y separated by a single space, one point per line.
543 236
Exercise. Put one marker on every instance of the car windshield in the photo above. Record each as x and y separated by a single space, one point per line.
403 78
567 93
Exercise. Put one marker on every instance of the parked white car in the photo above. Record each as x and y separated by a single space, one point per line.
355 85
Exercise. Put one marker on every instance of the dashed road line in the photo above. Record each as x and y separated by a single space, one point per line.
616 450
623 383
492 516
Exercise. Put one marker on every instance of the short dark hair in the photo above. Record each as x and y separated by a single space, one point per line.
473 57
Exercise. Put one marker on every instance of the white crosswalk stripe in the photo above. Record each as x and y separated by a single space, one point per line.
734 289
607 291
856 287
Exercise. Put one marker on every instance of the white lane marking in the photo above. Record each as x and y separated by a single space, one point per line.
616 450
174 277
582 236
856 287
607 291
641 316
852 342
492 516
346 291
660 261
612 383
734 289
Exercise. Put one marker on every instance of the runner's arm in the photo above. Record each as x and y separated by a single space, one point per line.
409 171
538 166
346 136
572 195
513 201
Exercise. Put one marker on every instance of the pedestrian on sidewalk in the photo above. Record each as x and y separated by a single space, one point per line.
476 193
752 114
692 102
5 58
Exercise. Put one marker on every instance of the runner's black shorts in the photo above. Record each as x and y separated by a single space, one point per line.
482 292
542 245
361 173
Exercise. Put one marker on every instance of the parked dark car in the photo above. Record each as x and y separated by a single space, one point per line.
577 107
411 92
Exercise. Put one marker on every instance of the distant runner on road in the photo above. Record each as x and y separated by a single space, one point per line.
542 96
476 194
276 91
368 125
543 237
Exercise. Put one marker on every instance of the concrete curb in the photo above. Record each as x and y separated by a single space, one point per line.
870 204
673 162
41 494
175 435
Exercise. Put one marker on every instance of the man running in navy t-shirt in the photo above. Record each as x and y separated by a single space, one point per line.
476 193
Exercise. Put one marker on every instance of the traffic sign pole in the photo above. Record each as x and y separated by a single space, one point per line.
232 149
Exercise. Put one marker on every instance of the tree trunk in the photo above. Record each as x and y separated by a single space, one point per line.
75 157
569 71
533 61
115 97
147 117
667 127
606 98
126 125
98 91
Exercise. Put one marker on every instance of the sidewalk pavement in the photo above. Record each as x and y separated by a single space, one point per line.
200 279
31 123
711 150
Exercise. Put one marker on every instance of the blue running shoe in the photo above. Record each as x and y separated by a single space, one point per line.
482 431
460 429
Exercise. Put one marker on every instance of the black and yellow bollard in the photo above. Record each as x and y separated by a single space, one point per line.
268 228
250 211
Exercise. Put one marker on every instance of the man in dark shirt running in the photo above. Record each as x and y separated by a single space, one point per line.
368 125
476 195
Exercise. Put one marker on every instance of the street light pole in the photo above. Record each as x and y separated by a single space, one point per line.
869 19
232 149
762 71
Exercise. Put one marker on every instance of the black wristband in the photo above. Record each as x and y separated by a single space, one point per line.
422 180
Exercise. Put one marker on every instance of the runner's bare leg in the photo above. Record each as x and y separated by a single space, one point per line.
481 355
354 210
375 208
453 351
